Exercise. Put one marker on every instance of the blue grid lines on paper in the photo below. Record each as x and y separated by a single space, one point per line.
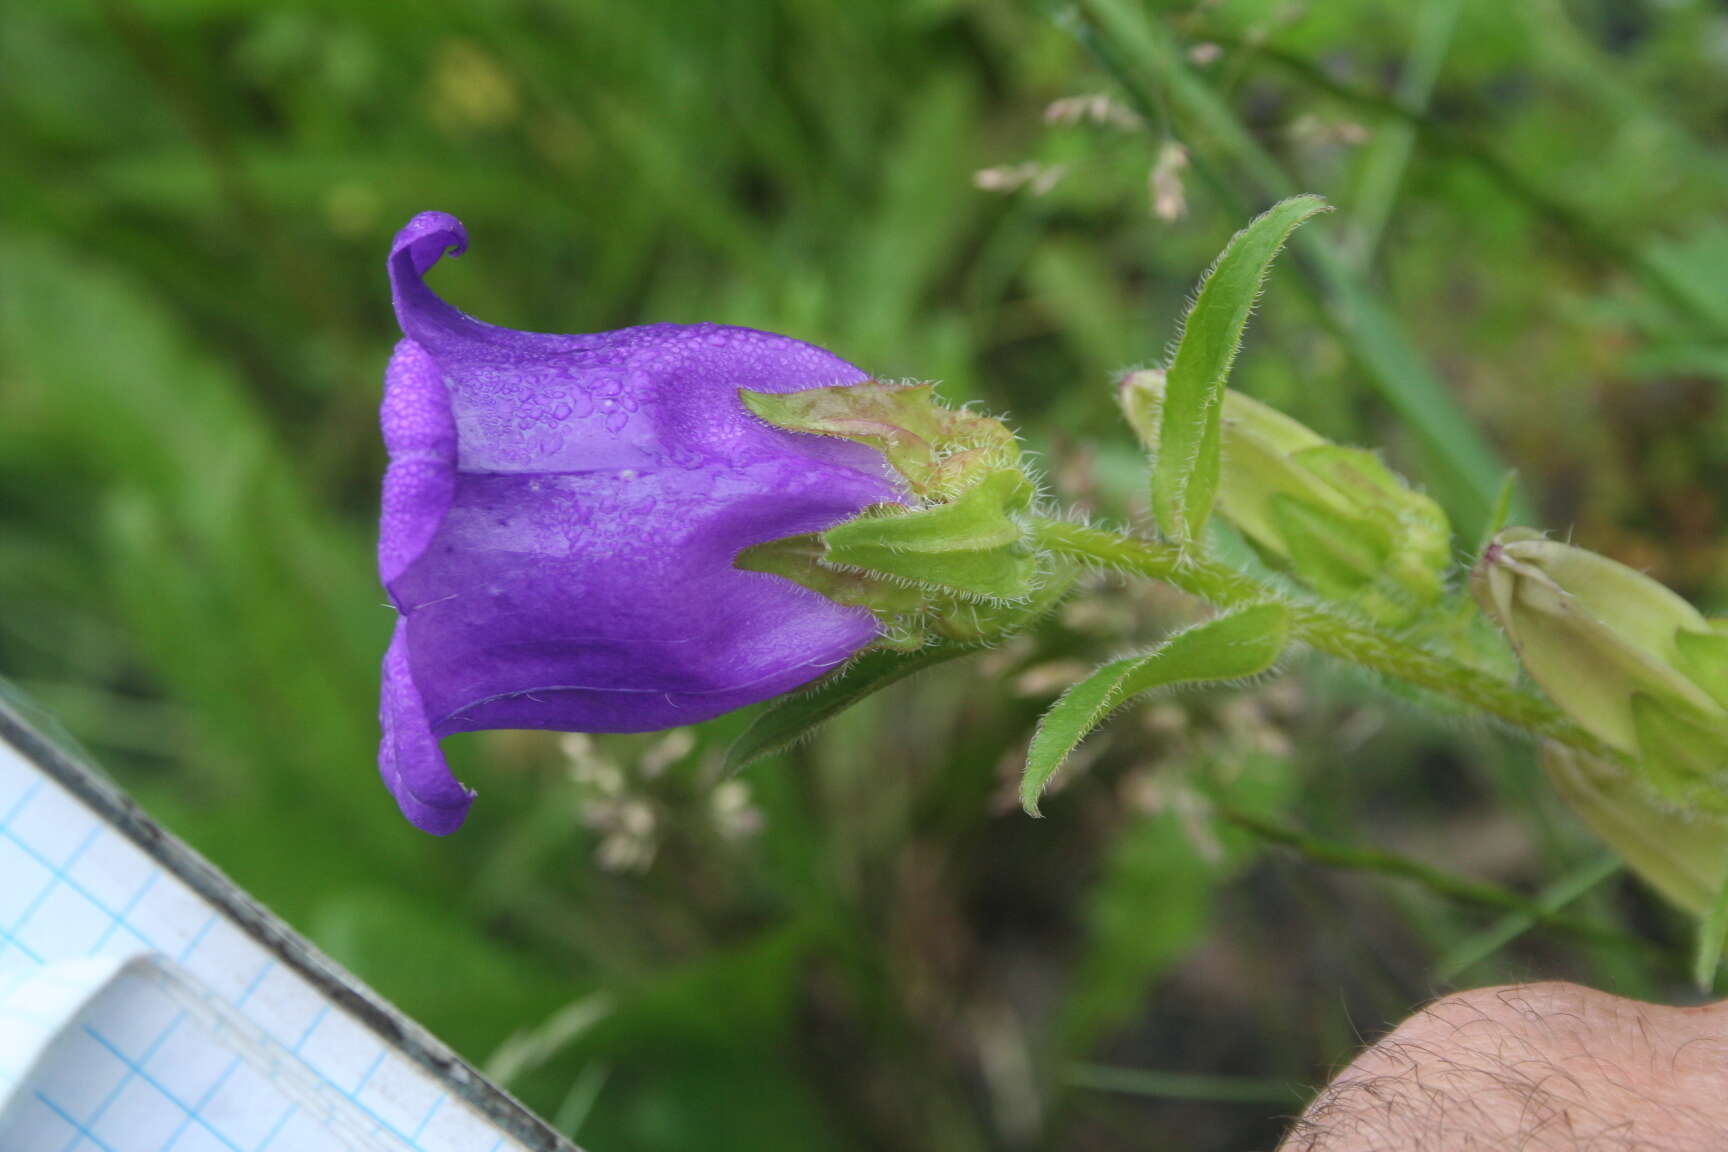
70 902
193 1112
59 875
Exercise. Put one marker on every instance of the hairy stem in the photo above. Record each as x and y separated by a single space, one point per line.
1322 628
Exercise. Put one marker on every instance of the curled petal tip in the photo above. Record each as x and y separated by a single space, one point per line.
409 758
424 317
433 819
427 237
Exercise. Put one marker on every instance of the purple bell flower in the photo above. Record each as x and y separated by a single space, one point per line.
560 518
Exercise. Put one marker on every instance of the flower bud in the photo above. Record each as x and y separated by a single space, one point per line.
1683 855
1683 752
1636 666
1335 517
1593 632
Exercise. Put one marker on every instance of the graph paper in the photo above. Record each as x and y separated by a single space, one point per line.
147 1005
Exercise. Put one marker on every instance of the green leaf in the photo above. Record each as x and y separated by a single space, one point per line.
985 622
1136 45
791 718
991 574
1230 647
1185 474
977 519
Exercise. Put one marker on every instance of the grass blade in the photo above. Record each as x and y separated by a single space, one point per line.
1472 951
1184 1085
1709 955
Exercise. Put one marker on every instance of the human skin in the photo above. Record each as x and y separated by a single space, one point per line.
1546 1067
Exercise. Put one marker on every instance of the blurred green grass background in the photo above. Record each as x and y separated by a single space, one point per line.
864 945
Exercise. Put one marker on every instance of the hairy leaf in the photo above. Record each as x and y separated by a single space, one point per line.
1242 643
1185 474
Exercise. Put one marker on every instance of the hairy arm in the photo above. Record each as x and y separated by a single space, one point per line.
1535 1067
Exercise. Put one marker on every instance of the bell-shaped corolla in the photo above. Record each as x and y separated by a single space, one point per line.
561 516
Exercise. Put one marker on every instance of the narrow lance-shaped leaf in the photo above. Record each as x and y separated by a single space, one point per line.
791 718
900 421
1243 643
1185 473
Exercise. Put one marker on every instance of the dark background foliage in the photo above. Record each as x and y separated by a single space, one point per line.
864 945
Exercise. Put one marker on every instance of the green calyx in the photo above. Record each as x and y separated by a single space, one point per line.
971 546
954 562
938 451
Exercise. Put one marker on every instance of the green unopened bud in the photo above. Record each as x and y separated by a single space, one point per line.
1703 657
1335 553
1683 855
1593 633
1682 753
1336 517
